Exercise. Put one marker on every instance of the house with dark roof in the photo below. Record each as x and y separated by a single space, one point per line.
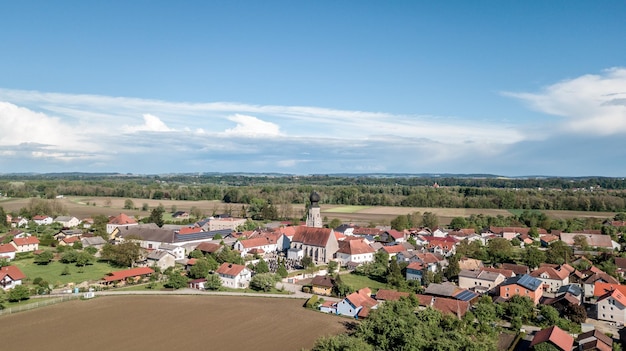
594 340
523 285
10 277
450 290
318 243
322 285
555 336
234 275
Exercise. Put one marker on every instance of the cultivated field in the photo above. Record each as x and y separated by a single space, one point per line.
82 207
169 323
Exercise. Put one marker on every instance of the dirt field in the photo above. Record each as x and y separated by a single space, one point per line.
168 323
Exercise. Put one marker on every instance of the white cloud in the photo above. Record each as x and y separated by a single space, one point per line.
249 126
151 124
589 104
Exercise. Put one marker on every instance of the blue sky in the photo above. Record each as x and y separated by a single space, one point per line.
308 87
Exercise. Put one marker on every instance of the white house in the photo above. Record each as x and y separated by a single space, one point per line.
268 243
42 220
357 304
355 251
10 277
234 275
177 251
479 280
27 244
612 307
120 221
67 221
7 251
553 279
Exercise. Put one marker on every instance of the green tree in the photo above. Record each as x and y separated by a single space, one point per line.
200 269
499 250
400 223
341 342
261 267
124 254
394 275
175 280
263 282
558 253
452 271
458 223
334 223
282 271
84 258
332 267
430 220
44 258
213 282
18 293
129 204
156 216
533 257
340 288
307 262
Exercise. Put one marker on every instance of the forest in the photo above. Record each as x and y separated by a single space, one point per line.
576 194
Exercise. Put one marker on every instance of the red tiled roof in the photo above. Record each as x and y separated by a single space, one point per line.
362 298
354 247
395 234
230 269
29 240
11 271
6 248
394 249
257 242
71 239
39 218
312 236
555 335
390 295
601 289
189 230
550 272
122 219
415 265
208 247
444 305
428 257
128 273
505 272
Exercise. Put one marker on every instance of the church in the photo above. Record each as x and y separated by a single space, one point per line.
313 240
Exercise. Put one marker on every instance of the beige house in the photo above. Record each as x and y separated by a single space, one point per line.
480 281
27 244
160 258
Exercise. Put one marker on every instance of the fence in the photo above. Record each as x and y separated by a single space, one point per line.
33 305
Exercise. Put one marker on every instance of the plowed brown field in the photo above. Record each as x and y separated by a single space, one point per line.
168 323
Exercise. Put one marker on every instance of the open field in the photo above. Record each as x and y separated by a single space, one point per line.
169 323
52 271
82 207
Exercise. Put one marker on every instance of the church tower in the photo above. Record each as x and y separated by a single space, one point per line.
314 217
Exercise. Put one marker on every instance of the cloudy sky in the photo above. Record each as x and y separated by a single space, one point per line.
308 87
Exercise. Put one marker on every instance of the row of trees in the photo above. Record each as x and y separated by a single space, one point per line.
407 192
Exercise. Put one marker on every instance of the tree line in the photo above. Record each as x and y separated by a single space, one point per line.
594 194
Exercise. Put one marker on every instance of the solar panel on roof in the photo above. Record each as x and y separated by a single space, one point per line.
529 282
465 295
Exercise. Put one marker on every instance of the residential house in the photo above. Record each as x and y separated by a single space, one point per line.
197 284
547 239
620 262
7 251
555 336
390 295
523 285
444 305
93 241
67 221
19 222
122 220
27 244
432 262
132 275
177 251
180 215
594 340
322 285
393 250
552 278
229 223
318 243
470 264
358 304
415 271
354 252
393 235
209 248
69 241
234 275
160 258
568 296
261 245
611 304
450 290
593 240
480 281
10 277
518 269
67 233
42 220
599 278
445 246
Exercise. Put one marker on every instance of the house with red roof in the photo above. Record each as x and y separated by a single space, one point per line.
611 305
26 244
69 241
261 245
358 304
122 220
7 251
598 284
354 253
445 246
10 277
444 305
234 275
415 271
555 336
132 275
552 278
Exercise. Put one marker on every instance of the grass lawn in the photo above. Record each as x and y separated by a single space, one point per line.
52 271
347 209
357 282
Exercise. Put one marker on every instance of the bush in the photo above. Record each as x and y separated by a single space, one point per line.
311 303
